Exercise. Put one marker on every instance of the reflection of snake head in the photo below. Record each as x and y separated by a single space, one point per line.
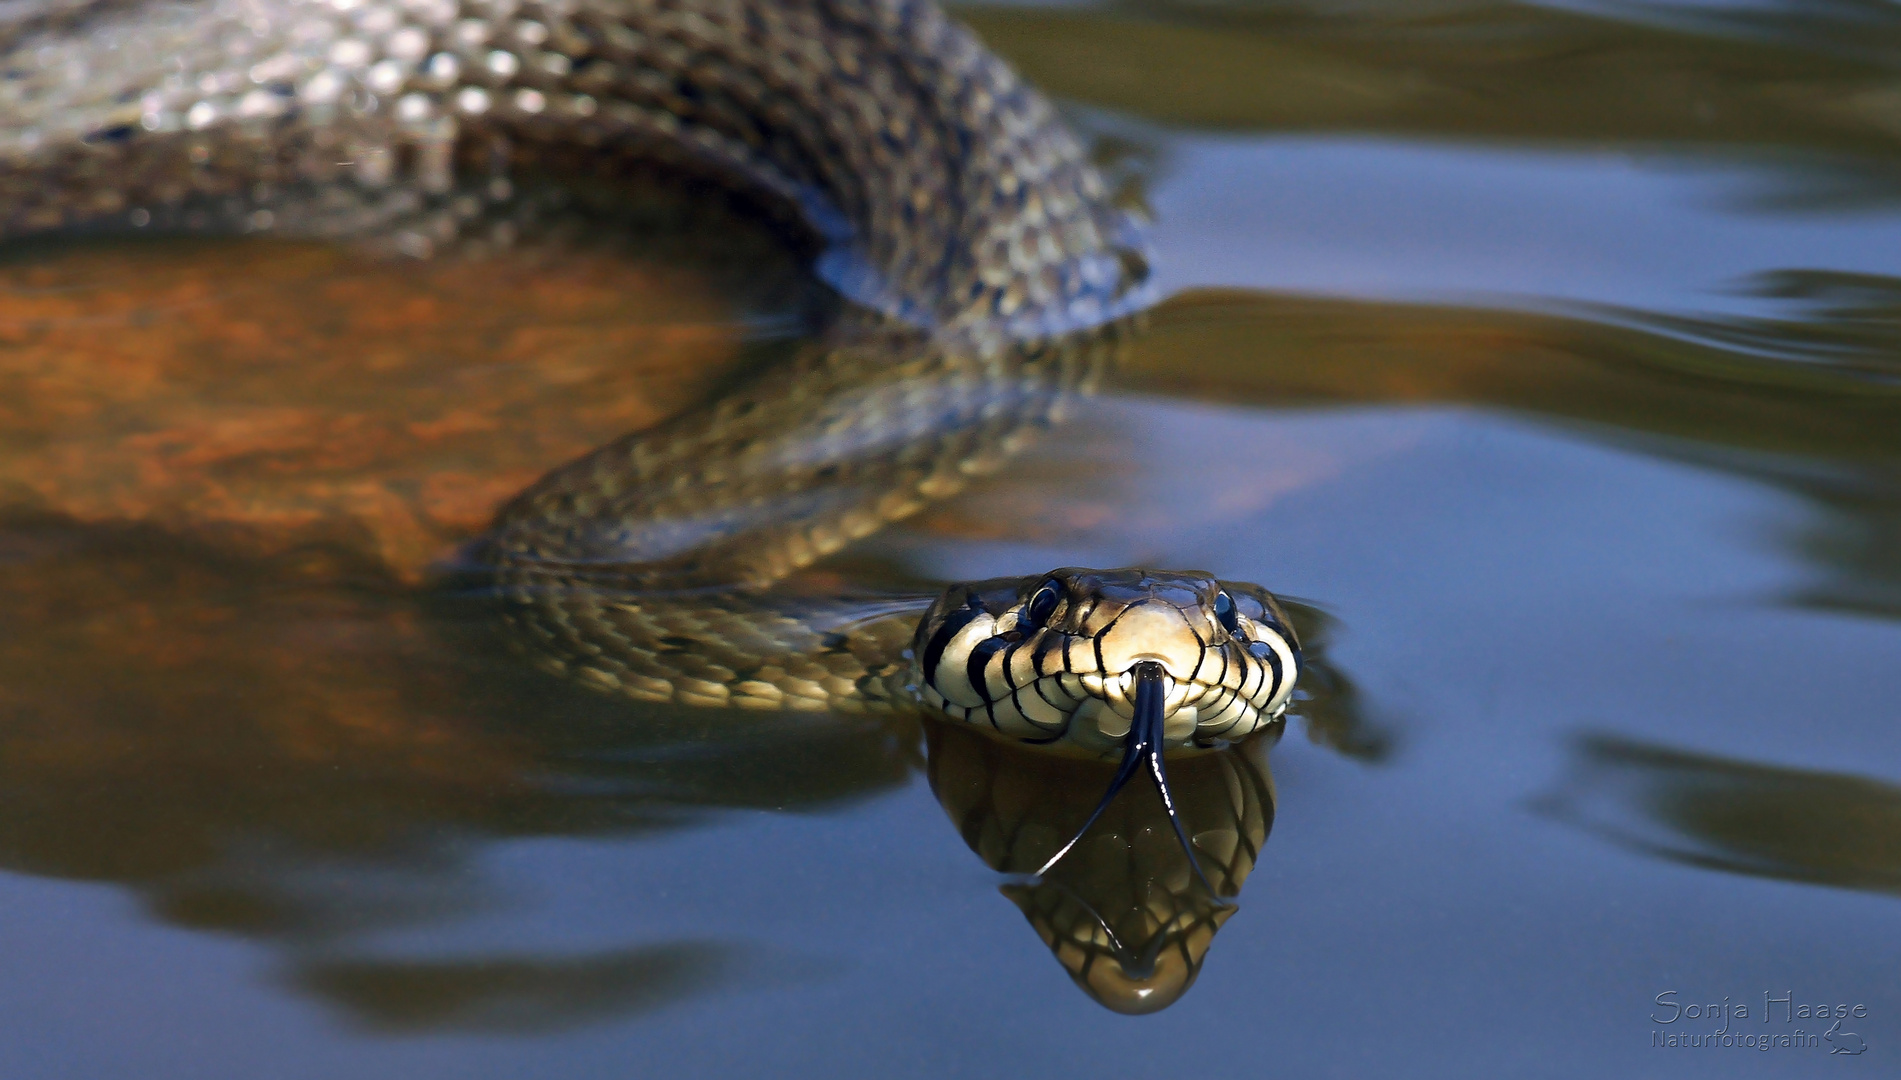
1058 659
1123 913
1096 660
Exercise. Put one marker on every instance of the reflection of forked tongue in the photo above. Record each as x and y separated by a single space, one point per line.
1144 741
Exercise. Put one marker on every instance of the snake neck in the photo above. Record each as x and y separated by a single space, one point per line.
655 566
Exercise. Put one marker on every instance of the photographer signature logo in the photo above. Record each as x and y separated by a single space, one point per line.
1786 1024
1844 1042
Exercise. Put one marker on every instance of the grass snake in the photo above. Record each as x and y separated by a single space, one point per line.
987 280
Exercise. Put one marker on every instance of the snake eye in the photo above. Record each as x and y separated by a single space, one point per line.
1224 614
1043 604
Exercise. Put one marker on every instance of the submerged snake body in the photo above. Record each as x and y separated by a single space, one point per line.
988 278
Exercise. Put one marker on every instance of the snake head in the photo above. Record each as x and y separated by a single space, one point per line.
1057 659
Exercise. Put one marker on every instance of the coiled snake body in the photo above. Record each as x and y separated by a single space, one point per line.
988 280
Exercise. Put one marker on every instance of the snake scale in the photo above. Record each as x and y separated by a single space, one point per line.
987 280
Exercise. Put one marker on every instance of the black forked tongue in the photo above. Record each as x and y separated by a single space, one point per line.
1143 745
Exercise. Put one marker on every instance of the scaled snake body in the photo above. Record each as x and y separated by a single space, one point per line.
988 276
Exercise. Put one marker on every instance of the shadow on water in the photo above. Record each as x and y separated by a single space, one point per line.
1867 31
515 996
1803 93
1736 816
1808 401
1856 539
1813 86
253 750
1327 700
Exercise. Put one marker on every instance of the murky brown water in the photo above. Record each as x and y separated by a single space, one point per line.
1553 356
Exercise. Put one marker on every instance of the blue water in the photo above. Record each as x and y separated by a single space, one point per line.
1635 226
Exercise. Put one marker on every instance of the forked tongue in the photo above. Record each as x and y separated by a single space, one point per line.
1143 743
